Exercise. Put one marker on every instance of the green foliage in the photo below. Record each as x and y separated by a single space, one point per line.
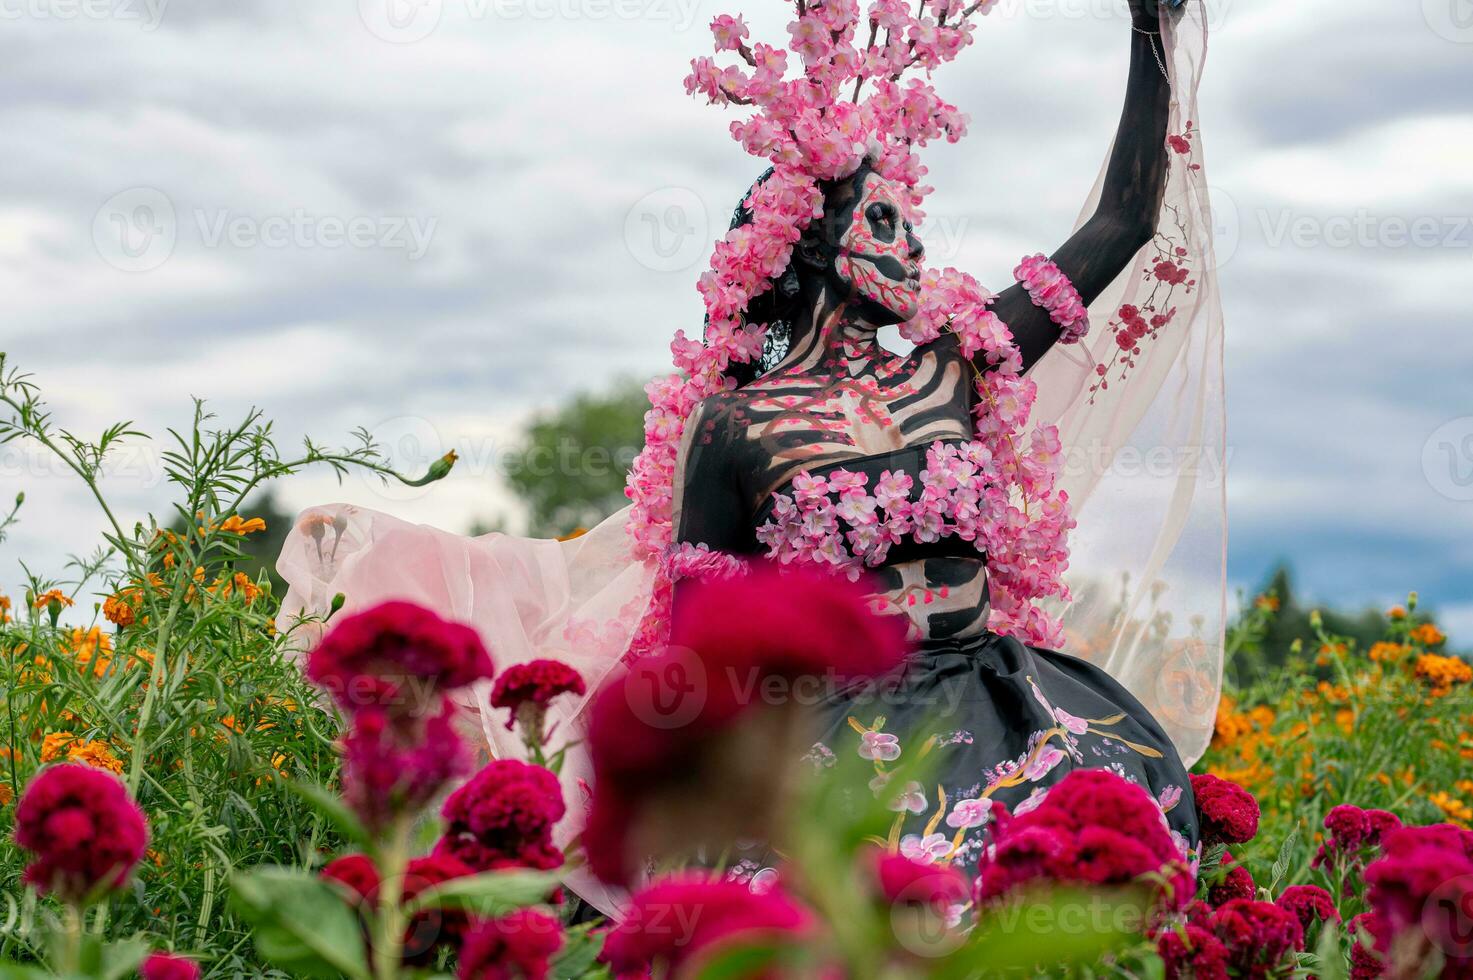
157 658
570 471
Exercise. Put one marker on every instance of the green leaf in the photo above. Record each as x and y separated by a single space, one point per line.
121 959
1048 928
330 806
15 971
735 962
300 923
579 952
1281 864
492 894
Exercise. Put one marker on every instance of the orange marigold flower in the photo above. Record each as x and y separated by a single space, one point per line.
1388 652
7 795
52 595
1269 603
4 609
119 609
1455 809
1428 635
1443 672
234 524
90 648
97 755
1396 613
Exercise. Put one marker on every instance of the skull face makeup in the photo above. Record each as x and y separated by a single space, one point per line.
879 256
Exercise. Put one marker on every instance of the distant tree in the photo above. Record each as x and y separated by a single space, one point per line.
571 466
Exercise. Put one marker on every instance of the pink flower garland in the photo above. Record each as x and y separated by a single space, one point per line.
1050 289
814 126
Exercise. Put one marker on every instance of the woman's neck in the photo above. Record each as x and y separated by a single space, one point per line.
828 338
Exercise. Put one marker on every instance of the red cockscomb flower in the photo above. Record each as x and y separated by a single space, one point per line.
1259 936
429 929
902 881
1370 939
1310 904
528 688
504 817
1227 812
711 912
1193 953
1236 882
165 966
1091 828
1419 891
518 946
394 765
667 724
84 828
398 647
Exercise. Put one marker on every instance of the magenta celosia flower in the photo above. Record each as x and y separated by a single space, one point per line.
504 817
428 930
1236 882
518 946
394 765
164 966
902 881
1310 904
1420 890
1370 938
665 722
1193 953
85 830
397 655
525 690
356 873
1260 937
1091 828
677 918
1227 813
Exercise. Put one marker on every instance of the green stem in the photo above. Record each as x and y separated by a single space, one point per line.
393 859
71 944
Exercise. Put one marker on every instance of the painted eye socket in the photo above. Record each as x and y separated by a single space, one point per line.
882 216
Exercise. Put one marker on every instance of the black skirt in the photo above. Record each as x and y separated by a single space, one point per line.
1009 721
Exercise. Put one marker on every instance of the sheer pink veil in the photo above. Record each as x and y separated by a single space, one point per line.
577 601
1144 445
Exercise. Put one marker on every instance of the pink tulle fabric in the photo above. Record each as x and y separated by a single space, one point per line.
576 601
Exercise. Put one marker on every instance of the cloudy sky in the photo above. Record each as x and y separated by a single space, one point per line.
431 217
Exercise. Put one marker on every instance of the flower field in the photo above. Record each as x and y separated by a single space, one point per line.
183 795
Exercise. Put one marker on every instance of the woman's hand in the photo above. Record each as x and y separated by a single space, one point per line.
1146 14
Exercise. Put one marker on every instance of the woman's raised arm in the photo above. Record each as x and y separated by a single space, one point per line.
1130 201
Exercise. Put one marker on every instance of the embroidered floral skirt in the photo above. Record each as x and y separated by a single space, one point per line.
1009 721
